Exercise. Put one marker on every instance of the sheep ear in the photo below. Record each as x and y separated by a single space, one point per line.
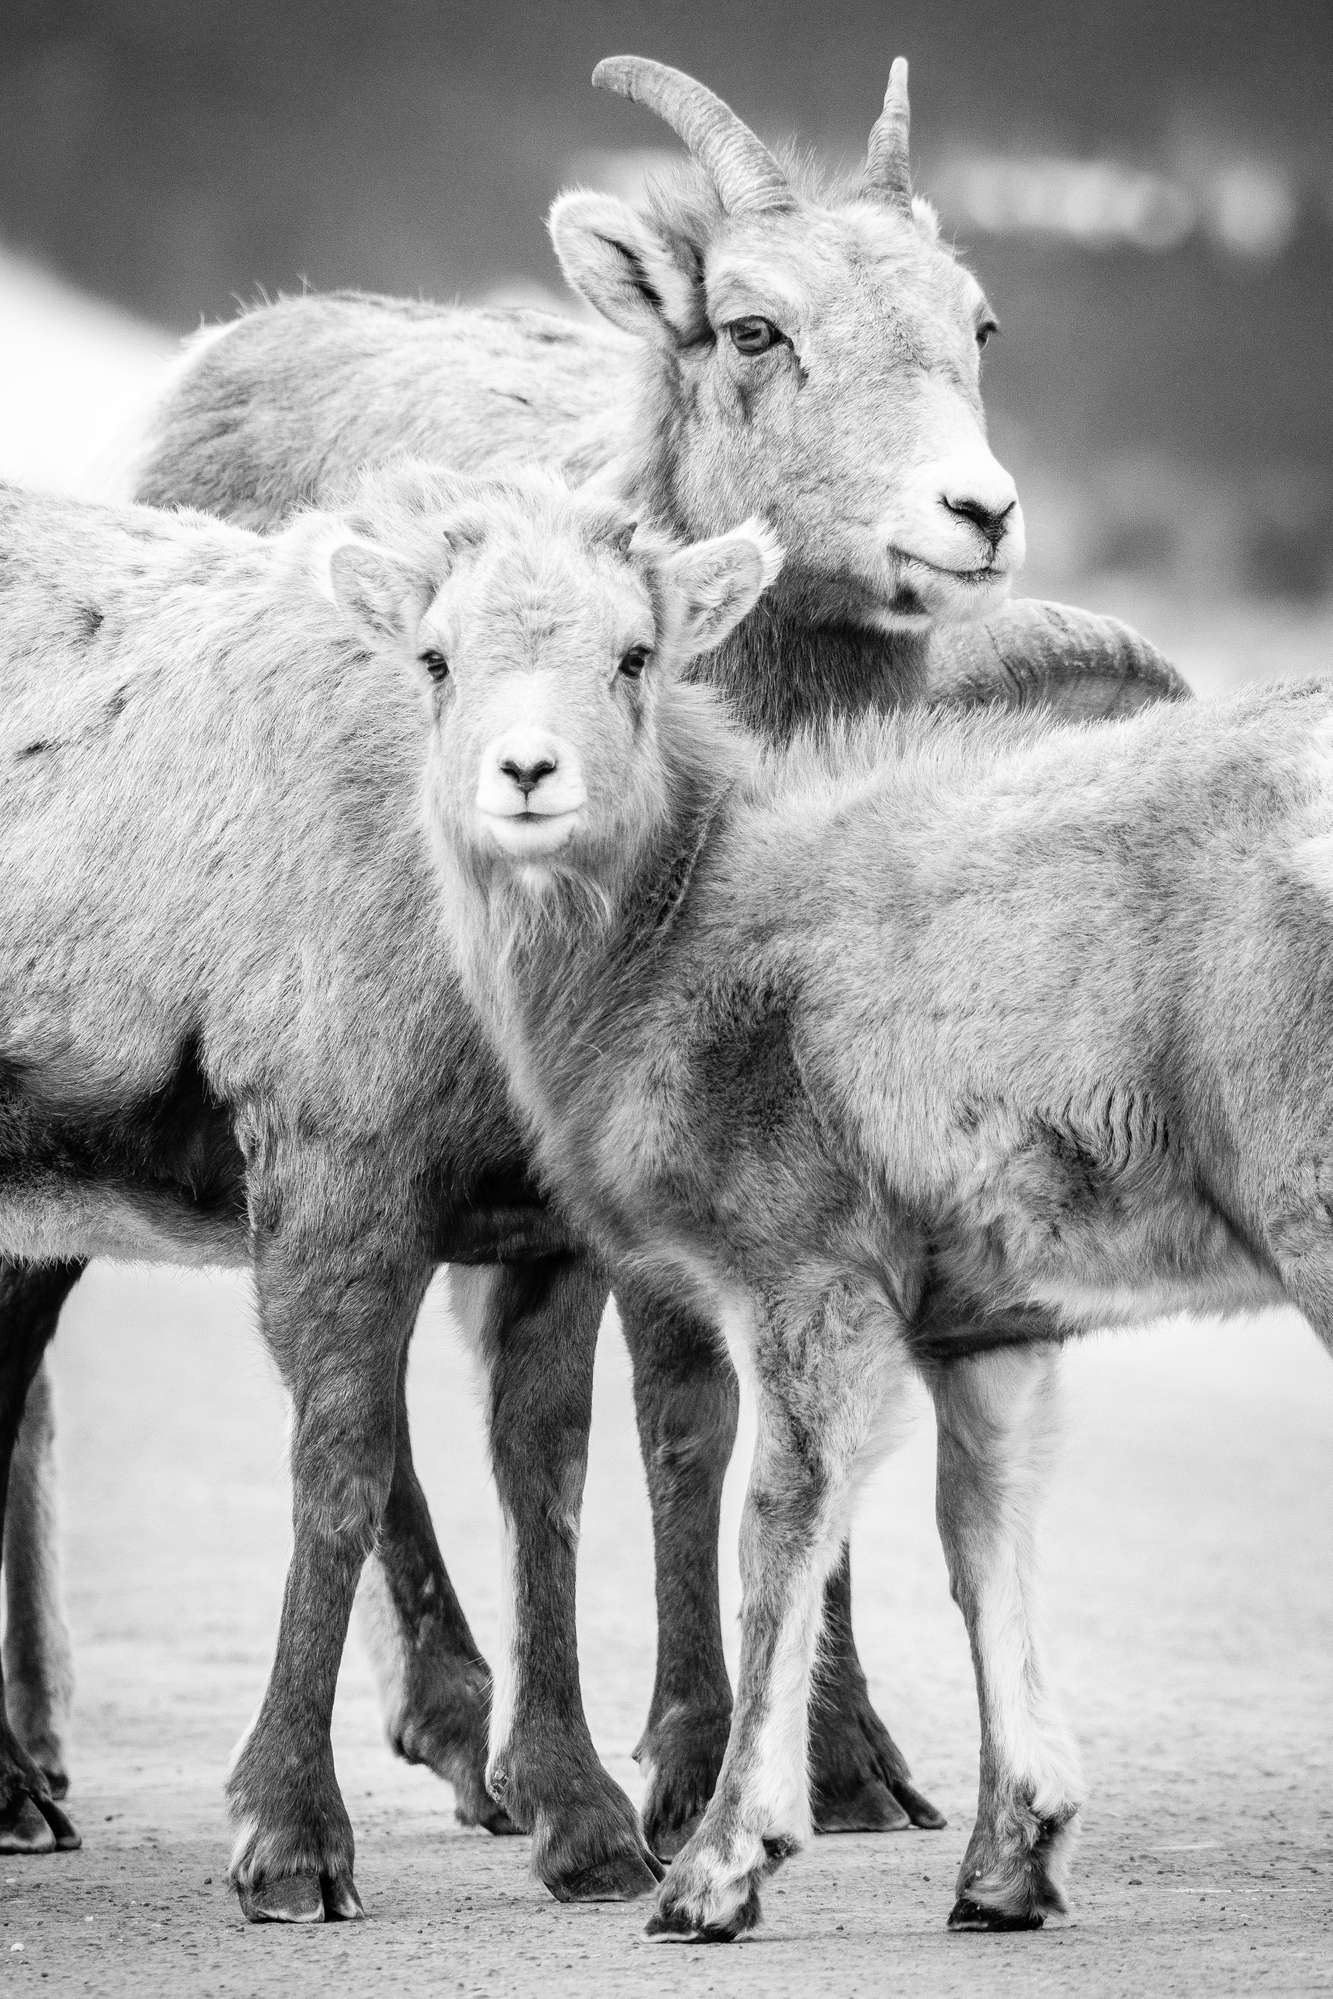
926 218
619 263
716 582
376 591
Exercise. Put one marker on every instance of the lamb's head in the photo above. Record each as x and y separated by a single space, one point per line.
548 638
813 357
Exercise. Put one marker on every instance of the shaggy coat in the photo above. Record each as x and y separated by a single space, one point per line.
294 397
917 1049
229 1031
856 426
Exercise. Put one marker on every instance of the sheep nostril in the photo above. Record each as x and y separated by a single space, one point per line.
527 776
989 521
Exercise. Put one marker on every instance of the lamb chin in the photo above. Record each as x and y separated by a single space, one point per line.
530 840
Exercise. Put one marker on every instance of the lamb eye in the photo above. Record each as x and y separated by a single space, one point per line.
753 335
985 330
634 662
435 663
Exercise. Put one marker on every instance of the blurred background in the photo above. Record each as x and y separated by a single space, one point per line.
1147 193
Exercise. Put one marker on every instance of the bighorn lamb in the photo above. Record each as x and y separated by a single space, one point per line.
918 1049
812 351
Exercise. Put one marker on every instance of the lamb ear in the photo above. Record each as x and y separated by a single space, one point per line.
619 263
377 592
716 582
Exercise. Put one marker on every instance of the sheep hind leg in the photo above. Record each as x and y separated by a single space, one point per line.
685 1400
826 1382
38 1654
36 1642
859 1777
996 1420
435 1686
534 1327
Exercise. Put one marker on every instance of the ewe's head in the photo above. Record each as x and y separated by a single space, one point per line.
816 360
547 640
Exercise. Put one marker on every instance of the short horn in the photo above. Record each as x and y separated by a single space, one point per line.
740 166
614 532
888 173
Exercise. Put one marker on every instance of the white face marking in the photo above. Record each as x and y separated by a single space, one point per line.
535 726
530 788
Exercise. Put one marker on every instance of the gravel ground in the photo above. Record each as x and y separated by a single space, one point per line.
1188 1571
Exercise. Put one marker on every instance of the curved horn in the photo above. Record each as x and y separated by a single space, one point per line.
741 168
887 171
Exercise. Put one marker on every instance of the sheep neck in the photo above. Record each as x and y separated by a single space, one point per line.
550 973
788 665
779 674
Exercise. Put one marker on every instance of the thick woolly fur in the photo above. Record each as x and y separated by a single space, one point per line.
922 1046
849 434
230 1027
846 435
182 711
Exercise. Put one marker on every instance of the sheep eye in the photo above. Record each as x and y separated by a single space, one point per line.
634 662
435 663
987 327
752 335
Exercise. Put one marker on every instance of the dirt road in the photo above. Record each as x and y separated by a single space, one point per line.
1189 1565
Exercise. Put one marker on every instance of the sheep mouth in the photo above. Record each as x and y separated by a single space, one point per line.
530 832
981 578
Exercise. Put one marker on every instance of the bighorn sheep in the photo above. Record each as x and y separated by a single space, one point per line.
807 350
874 1048
222 1038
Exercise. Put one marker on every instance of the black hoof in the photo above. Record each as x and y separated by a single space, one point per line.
667 1832
444 1729
622 1877
296 1898
681 1767
485 1812
342 1904
587 1842
37 1825
677 1922
871 1808
860 1781
920 1812
969 1915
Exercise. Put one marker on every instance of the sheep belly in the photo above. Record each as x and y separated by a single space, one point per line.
50 1221
104 1166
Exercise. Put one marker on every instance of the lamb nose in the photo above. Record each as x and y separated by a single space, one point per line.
527 776
990 520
